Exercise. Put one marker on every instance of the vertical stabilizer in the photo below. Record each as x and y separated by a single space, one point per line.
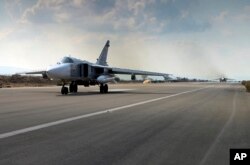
102 60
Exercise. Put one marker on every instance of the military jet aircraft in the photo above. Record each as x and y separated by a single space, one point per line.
224 79
76 72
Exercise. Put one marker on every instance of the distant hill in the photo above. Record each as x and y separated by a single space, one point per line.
8 70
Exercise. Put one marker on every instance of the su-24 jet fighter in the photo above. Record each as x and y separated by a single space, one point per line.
76 72
224 79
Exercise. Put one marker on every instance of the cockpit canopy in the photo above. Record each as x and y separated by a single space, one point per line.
67 60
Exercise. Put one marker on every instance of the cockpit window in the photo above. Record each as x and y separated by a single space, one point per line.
67 60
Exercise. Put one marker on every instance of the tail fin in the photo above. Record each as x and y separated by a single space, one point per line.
102 60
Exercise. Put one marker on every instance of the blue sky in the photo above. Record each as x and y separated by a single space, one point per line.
194 38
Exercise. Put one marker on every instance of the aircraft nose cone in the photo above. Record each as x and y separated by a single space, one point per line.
59 72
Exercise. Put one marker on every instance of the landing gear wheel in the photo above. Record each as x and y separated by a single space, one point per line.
64 90
105 88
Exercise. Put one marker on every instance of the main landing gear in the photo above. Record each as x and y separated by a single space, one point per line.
73 88
104 88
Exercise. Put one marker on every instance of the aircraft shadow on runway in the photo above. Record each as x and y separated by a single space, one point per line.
90 93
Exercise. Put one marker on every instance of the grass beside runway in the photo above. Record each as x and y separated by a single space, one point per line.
247 85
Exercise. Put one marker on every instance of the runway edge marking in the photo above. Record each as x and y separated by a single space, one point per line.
45 125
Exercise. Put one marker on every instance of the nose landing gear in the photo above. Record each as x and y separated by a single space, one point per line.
64 90
73 88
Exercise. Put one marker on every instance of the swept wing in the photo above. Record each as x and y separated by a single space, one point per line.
137 72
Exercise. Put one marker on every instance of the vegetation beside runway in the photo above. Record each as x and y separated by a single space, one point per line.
22 81
247 85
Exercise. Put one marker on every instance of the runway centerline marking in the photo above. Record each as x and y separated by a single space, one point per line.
45 125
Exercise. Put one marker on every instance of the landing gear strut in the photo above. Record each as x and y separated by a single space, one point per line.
104 88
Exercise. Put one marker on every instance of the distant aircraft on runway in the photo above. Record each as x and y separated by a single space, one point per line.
76 72
224 79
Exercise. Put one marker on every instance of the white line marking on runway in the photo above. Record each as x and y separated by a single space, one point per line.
45 125
221 133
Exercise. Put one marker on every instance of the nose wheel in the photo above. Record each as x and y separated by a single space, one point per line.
104 88
73 88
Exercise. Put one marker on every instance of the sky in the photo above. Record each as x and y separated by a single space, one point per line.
188 38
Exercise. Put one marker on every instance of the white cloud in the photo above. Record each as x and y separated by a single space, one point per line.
244 15
78 3
41 4
10 6
221 17
62 17
5 32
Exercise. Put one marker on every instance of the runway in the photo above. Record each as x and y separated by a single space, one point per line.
179 123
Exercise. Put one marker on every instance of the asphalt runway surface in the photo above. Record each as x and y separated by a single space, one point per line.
172 123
